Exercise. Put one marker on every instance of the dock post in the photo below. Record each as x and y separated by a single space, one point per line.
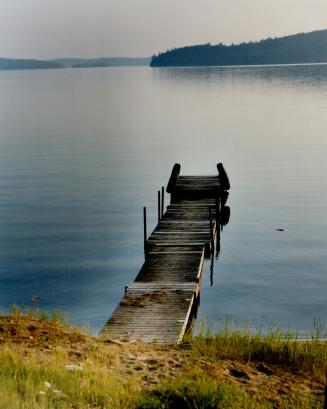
211 230
159 205
162 200
144 231
172 181
217 208
218 220
220 210
195 305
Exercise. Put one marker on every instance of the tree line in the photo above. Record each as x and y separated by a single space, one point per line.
294 49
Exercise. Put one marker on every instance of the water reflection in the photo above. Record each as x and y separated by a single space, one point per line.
214 256
224 220
310 75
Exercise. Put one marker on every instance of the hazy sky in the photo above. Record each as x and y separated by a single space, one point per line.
92 28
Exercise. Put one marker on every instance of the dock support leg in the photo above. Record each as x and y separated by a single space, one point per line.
145 232
159 205
218 221
162 200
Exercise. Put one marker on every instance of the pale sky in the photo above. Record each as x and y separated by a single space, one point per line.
140 28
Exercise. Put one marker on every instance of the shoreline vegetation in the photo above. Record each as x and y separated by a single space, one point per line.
46 363
303 48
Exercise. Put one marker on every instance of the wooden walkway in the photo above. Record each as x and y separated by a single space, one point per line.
162 301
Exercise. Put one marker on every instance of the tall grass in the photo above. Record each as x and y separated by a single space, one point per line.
275 347
34 384
185 393
56 316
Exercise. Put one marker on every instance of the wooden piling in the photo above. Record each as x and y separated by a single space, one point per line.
144 231
159 205
218 203
162 200
223 177
173 178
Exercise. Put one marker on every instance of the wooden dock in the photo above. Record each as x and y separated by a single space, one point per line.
162 301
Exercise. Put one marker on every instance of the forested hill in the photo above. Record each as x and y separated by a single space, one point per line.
293 49
27 64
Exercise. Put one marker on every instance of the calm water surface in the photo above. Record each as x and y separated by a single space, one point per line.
83 150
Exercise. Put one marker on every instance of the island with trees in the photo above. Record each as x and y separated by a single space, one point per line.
294 49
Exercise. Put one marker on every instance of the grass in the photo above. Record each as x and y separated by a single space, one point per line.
186 393
55 317
33 384
276 348
37 385
44 363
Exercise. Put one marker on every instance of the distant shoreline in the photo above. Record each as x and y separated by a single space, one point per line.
9 64
170 67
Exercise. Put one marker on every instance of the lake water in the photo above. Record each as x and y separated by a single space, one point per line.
82 150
